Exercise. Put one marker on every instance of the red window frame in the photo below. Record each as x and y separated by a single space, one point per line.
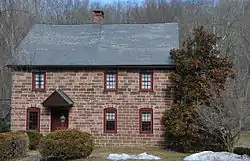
29 110
105 81
150 110
34 81
107 110
151 82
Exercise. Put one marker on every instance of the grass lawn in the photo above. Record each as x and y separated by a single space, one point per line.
244 140
99 154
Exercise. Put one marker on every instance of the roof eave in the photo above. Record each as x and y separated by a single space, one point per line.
158 66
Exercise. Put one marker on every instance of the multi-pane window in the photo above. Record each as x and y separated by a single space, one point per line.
39 80
146 81
33 119
110 81
146 120
110 120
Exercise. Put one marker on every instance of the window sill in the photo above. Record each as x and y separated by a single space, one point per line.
146 132
110 132
38 90
146 90
110 90
37 130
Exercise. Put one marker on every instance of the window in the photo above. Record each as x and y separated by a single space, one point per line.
33 119
146 120
110 80
146 81
110 120
39 79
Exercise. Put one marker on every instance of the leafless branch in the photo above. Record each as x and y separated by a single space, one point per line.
227 113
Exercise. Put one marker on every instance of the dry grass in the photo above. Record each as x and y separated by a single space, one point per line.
244 140
31 156
100 153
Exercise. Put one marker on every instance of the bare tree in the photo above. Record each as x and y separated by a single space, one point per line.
230 19
226 115
15 21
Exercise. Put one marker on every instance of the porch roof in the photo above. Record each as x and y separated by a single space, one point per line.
58 99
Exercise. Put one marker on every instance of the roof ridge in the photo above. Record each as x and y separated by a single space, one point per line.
108 24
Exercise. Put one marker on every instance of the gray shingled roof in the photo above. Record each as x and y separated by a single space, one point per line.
94 44
64 96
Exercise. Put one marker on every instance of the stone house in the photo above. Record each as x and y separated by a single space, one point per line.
109 80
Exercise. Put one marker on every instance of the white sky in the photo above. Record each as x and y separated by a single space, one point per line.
110 1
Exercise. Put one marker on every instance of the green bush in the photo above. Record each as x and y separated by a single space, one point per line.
34 139
13 145
242 151
66 144
4 126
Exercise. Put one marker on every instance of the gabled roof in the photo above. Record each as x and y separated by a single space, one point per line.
98 45
58 99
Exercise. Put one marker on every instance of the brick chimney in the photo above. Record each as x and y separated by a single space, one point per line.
98 16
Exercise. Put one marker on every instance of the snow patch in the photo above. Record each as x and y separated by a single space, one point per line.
216 156
123 156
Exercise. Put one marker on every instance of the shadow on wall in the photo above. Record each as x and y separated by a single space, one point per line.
5 108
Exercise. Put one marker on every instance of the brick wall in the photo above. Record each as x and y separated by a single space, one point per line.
86 89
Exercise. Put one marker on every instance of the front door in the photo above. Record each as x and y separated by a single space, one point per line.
59 119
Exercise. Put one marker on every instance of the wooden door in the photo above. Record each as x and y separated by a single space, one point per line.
56 123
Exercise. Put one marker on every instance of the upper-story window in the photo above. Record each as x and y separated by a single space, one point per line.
110 80
146 81
38 81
